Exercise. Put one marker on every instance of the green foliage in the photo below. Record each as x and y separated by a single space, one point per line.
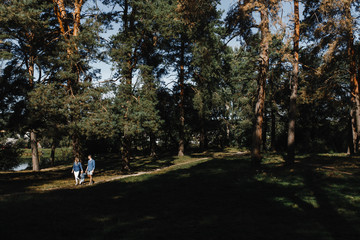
240 95
56 110
61 98
13 89
10 154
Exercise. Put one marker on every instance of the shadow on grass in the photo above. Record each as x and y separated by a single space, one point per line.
19 182
217 199
107 165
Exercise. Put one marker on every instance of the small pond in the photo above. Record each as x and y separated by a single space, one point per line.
21 166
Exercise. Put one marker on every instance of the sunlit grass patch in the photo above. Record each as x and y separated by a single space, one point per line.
286 202
272 158
182 159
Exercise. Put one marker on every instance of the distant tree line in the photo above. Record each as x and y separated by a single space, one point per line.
291 86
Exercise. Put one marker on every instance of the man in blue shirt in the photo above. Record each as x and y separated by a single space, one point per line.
90 169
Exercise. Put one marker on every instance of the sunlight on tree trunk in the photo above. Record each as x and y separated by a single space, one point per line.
34 151
263 69
354 85
72 50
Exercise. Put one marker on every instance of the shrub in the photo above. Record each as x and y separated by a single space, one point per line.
10 156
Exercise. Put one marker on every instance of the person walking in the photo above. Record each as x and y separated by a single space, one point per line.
76 170
90 169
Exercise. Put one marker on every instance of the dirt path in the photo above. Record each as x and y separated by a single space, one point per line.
151 172
19 184
60 177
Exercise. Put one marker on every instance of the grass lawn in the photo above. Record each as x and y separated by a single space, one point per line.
212 195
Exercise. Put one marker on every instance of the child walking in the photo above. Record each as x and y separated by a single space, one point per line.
76 170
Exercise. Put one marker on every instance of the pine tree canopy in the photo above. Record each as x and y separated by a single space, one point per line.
178 83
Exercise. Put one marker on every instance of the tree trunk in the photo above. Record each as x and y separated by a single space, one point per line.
355 103
272 114
273 128
128 70
60 12
228 129
294 86
77 145
126 145
203 135
351 134
181 103
34 151
77 16
52 155
259 107
265 129
34 145
153 145
354 85
126 153
354 135
72 49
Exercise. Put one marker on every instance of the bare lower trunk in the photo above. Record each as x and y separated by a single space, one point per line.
357 123
354 145
273 126
227 124
354 85
257 134
294 86
259 107
203 135
291 134
152 145
351 134
126 153
265 129
52 155
181 103
77 144
34 151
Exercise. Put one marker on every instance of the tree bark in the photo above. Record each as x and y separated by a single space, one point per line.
294 86
34 151
272 113
265 129
354 84
263 69
77 17
30 63
203 132
60 12
126 153
77 146
181 100
127 72
273 129
352 134
52 154
72 49
153 145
